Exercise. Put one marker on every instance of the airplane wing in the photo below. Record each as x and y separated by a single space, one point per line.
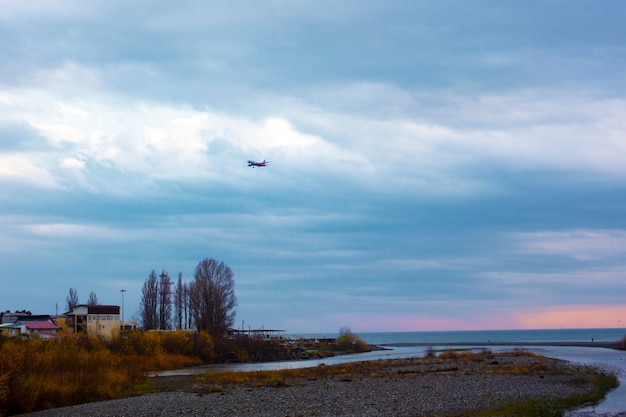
253 164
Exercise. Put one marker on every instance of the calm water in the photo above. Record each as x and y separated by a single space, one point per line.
485 336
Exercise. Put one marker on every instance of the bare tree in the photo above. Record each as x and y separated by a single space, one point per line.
93 299
187 308
165 301
212 297
149 302
179 302
72 299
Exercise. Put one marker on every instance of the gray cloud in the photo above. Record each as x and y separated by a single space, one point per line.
431 160
19 136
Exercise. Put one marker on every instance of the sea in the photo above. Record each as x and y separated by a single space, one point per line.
480 336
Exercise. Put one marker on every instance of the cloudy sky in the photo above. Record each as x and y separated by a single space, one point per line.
434 165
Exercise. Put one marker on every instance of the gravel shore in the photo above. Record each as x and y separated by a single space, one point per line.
408 388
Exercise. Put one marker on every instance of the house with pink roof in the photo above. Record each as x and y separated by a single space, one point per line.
44 329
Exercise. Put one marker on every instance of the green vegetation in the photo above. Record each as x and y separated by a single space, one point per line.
554 407
621 344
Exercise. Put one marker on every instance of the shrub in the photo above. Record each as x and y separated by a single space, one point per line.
132 343
350 342
430 352
4 390
39 374
156 350
203 346
449 354
177 342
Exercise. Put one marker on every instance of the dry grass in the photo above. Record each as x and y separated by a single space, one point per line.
463 355
262 378
39 374
378 368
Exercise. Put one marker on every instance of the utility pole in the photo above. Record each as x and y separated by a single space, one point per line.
122 291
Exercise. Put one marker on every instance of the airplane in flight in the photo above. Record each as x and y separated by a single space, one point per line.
253 164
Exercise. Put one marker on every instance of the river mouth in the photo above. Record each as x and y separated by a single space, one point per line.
609 360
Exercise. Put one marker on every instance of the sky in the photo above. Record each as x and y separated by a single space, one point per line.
444 165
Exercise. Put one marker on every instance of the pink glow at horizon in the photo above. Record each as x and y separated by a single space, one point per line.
577 316
404 323
585 316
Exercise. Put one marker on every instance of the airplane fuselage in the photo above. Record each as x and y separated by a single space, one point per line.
254 164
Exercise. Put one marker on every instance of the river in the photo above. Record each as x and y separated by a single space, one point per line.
607 359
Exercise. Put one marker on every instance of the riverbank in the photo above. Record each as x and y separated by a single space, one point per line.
449 384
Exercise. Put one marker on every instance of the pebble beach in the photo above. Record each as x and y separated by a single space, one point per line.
407 388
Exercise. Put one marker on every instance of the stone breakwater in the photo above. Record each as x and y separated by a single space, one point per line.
404 388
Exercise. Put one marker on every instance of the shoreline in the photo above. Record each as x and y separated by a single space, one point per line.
607 345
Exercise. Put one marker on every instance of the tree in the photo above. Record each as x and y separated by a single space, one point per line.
165 302
93 299
72 299
350 342
212 298
187 308
149 302
179 302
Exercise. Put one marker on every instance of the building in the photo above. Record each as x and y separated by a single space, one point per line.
11 329
44 329
94 320
264 334
15 317
128 326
